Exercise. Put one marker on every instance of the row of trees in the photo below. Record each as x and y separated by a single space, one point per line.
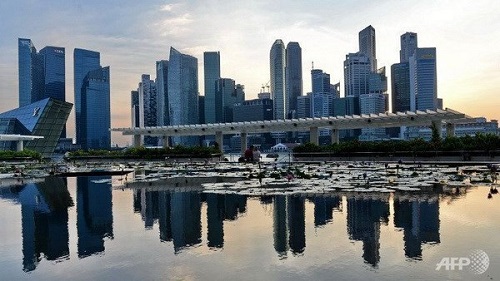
149 153
479 142
25 154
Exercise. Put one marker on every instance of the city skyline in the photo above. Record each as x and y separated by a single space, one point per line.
468 72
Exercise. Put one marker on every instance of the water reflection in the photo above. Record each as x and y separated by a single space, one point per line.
44 209
419 220
178 214
94 214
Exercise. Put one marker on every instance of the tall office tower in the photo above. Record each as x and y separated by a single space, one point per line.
84 61
183 93
409 43
211 67
356 74
400 85
423 79
31 80
41 75
147 107
227 93
293 76
136 112
320 81
162 92
367 45
95 117
278 82
304 106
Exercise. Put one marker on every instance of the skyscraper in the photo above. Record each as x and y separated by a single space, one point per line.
423 79
320 81
278 82
31 80
95 117
400 73
211 66
293 76
356 74
148 106
409 43
183 93
136 113
227 93
84 61
367 45
162 93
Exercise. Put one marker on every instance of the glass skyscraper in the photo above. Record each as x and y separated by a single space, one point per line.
423 79
162 93
96 113
409 43
183 93
41 75
293 76
356 74
367 45
84 61
278 82
148 106
211 67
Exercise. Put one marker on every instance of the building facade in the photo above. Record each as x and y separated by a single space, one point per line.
211 67
45 118
147 107
293 76
423 79
356 74
367 45
162 93
278 81
183 93
95 118
409 43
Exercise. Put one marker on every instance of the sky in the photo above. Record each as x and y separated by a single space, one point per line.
132 35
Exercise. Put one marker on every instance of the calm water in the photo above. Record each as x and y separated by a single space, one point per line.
75 229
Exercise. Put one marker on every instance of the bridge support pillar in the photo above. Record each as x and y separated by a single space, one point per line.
137 140
450 130
165 141
219 140
335 136
20 145
244 142
314 135
437 124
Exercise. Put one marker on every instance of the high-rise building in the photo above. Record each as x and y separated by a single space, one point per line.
356 74
400 86
162 92
227 93
409 43
183 93
95 117
304 106
320 81
423 79
293 76
278 81
253 110
367 45
41 75
84 61
136 113
211 67
31 80
148 106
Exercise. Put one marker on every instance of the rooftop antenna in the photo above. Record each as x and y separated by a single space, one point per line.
312 63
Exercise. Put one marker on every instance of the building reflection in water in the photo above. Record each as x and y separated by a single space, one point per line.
44 210
419 219
179 215
94 214
364 216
